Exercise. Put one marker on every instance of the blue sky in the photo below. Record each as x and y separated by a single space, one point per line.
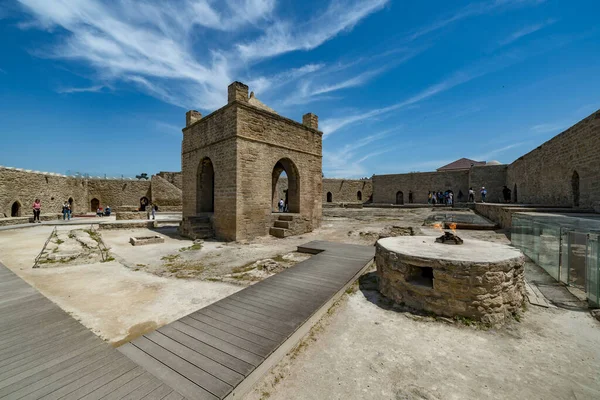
102 87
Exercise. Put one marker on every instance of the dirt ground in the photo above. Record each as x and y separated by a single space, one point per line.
363 348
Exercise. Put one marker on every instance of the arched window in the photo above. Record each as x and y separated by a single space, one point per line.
329 197
290 190
575 188
205 187
515 196
399 197
359 196
15 209
410 197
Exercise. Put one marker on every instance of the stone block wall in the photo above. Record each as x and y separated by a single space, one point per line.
175 178
164 193
492 177
385 187
116 192
346 190
544 175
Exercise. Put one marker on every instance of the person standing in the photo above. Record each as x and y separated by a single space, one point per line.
154 208
483 194
280 205
450 198
471 195
37 209
66 211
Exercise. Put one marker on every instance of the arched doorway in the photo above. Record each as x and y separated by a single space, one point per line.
205 187
515 195
410 197
15 209
329 197
399 197
292 193
575 188
359 196
71 204
94 204
144 203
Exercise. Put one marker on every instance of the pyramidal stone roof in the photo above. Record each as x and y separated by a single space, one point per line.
463 163
259 104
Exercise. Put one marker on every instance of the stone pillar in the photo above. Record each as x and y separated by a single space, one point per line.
191 117
310 120
237 91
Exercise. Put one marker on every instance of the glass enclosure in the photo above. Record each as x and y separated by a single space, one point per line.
567 246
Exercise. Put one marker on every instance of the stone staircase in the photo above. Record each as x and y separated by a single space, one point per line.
282 226
197 227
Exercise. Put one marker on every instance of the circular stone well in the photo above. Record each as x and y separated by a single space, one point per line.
478 280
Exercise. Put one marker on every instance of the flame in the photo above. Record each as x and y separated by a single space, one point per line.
438 226
452 226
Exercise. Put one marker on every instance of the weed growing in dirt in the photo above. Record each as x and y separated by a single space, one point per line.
194 247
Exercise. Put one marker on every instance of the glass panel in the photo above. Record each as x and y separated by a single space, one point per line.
577 256
564 255
549 249
593 270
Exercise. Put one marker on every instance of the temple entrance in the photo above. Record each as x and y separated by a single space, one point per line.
290 194
515 196
359 196
94 204
399 197
15 210
71 205
410 197
329 197
144 202
575 188
205 187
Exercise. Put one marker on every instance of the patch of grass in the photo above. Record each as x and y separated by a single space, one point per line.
279 258
265 395
71 236
94 235
59 241
465 321
243 268
170 257
194 247
109 258
140 265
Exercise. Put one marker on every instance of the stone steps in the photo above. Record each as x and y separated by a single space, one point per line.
280 232
282 224
197 227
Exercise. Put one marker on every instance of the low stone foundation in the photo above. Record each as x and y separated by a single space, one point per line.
479 280
140 241
128 215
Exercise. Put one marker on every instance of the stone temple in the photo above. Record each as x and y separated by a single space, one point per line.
231 161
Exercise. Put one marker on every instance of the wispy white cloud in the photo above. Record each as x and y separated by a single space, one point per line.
156 46
527 30
170 129
548 127
347 161
92 89
285 36
498 151
472 10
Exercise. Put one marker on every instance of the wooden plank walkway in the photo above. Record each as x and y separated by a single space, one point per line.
217 352
220 351
46 354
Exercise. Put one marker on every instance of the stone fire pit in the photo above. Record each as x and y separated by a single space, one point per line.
141 240
476 279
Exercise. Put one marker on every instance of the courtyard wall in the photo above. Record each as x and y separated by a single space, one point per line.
385 187
346 190
544 175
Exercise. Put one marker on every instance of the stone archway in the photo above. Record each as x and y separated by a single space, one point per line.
94 204
410 196
292 194
205 187
15 209
329 197
575 188
144 202
399 197
359 195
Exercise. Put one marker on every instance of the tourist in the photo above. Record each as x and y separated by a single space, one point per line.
450 198
429 198
506 194
66 211
99 211
107 211
154 208
37 209
460 196
471 195
280 205
483 193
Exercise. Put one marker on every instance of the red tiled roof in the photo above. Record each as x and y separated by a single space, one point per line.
463 163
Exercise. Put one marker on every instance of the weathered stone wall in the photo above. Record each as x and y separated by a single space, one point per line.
124 215
492 177
544 175
263 140
420 184
489 292
52 189
175 178
212 137
346 190
22 186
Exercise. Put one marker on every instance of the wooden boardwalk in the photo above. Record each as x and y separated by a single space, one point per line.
221 350
217 352
46 354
